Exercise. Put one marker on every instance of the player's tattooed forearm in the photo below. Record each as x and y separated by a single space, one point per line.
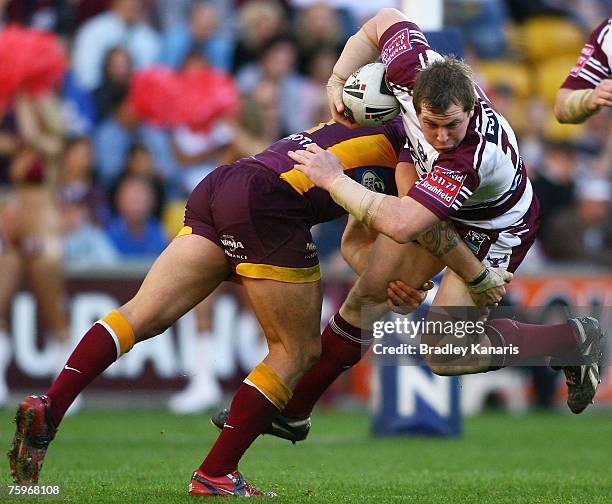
440 239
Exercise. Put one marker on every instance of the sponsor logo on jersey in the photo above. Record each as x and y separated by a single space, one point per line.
373 182
442 184
396 45
586 52
474 240
311 250
231 243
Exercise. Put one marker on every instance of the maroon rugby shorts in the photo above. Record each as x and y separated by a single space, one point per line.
261 223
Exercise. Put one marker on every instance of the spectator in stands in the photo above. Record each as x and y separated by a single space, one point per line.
554 183
85 245
170 13
260 21
317 28
200 33
583 233
197 153
121 25
140 163
77 181
260 119
57 16
319 69
118 130
116 74
135 231
532 140
277 63
114 136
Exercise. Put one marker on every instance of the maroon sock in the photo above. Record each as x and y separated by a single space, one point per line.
94 353
532 340
250 414
342 348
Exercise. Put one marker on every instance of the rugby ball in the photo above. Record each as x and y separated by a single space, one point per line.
366 97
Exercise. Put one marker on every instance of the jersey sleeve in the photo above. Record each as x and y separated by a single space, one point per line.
404 155
446 188
404 50
595 60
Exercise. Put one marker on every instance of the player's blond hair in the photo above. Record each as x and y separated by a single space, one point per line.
443 83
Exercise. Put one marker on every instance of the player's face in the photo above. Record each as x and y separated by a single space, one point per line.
445 131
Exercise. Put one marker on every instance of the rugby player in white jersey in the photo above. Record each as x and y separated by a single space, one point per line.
588 87
469 171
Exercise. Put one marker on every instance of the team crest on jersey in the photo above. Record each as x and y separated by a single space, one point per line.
585 54
373 182
442 184
396 45
474 240
496 262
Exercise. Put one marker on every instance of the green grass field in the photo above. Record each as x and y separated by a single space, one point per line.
148 457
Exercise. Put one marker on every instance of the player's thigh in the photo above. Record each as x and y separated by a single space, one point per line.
453 291
186 272
290 316
390 261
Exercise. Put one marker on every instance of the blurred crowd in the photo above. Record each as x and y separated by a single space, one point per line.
120 183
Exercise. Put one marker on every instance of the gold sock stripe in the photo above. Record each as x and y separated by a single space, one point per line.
121 329
270 385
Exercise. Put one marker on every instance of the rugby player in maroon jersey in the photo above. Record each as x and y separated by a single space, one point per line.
467 169
588 87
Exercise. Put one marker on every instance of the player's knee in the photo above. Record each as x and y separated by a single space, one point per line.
144 326
305 355
310 354
363 296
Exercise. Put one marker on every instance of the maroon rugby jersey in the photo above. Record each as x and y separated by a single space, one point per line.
368 155
482 182
595 61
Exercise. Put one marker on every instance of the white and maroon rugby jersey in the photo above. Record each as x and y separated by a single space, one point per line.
481 183
595 60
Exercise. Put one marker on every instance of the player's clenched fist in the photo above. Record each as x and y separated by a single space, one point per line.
404 299
491 288
601 95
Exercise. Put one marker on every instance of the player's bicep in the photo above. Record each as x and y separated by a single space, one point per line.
405 177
